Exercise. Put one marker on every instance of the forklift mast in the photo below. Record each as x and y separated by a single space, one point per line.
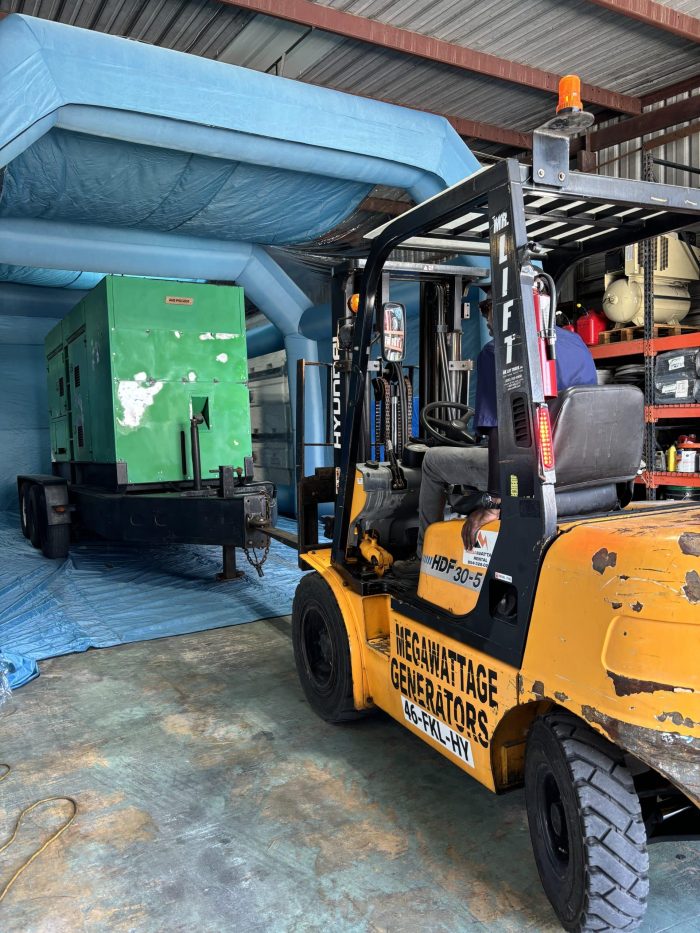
507 213
440 290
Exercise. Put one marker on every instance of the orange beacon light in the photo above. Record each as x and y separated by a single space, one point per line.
569 93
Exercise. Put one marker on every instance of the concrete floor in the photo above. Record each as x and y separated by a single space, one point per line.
212 799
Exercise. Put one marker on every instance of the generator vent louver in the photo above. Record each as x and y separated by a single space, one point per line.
76 376
81 436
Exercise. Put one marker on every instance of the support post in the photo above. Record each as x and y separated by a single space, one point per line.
229 572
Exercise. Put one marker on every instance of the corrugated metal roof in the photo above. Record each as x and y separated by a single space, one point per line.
605 48
202 27
393 76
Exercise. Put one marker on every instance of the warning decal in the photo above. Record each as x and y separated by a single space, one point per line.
178 300
470 573
480 557
437 730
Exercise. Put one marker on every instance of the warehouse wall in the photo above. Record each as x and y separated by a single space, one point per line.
24 425
625 161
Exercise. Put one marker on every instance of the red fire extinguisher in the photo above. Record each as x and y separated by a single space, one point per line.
544 298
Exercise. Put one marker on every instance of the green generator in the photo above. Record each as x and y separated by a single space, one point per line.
134 363
150 424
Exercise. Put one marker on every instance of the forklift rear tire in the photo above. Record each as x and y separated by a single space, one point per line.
586 826
322 651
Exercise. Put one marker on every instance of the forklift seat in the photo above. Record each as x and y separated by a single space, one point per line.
598 434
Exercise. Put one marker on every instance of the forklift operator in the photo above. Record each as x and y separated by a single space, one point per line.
478 467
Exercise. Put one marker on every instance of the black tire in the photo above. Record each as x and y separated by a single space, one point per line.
35 504
586 826
23 506
322 651
55 542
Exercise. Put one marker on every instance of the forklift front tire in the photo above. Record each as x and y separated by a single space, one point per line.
322 651
586 826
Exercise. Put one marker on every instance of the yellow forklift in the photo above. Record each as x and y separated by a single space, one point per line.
562 652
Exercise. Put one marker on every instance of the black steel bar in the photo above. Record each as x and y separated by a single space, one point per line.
229 571
648 249
196 457
678 165
183 452
279 534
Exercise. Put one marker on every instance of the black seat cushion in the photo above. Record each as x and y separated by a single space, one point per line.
598 434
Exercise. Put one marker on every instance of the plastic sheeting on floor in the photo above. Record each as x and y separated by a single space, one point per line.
110 594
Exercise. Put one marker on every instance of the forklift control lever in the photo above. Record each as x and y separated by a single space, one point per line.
398 480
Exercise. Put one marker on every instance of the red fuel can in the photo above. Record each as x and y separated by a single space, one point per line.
589 325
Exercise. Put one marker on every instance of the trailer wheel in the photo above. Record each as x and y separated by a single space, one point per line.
24 507
322 652
586 826
55 543
34 505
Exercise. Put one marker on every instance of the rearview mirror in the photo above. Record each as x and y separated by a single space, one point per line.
393 332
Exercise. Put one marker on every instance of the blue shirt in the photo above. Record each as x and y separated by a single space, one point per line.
575 367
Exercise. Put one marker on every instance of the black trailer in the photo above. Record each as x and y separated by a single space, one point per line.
229 511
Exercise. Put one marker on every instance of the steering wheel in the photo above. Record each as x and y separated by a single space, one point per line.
453 432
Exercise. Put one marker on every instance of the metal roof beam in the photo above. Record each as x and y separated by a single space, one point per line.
671 90
655 14
385 206
683 111
487 131
386 36
690 130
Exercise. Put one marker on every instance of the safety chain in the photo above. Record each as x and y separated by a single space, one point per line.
382 428
254 561
382 392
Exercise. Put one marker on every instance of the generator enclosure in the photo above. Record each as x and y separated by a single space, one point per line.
133 363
